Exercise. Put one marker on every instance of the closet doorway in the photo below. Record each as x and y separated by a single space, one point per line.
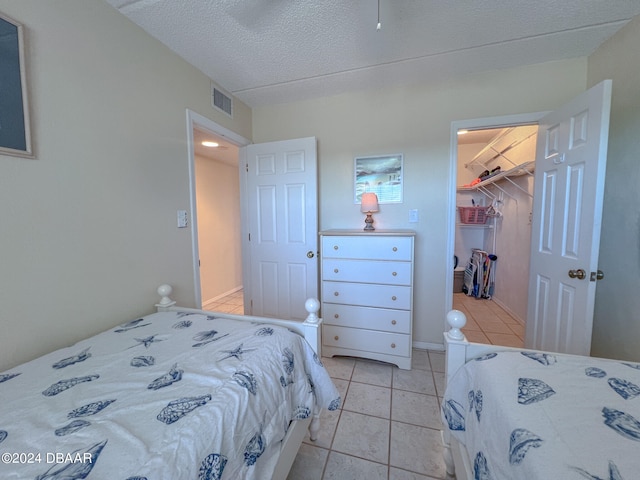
494 162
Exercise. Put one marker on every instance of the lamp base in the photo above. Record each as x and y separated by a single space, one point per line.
368 223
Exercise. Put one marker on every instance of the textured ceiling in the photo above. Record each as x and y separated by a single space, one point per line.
274 51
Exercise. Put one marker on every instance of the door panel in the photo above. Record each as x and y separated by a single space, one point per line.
547 211
266 221
568 193
571 234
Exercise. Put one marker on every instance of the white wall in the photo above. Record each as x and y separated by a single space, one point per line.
616 328
219 242
415 121
88 228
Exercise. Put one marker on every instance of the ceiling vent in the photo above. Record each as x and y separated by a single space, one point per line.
221 100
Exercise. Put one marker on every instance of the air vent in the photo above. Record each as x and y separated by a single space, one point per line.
221 100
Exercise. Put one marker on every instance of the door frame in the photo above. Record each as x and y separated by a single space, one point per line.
471 124
195 119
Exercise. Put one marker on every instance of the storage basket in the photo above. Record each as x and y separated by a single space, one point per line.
473 215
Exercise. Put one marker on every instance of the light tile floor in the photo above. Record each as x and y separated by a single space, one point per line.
389 425
232 303
487 322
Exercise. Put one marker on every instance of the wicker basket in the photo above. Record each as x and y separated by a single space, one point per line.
473 215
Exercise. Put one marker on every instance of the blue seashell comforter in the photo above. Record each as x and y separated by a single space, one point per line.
546 416
170 396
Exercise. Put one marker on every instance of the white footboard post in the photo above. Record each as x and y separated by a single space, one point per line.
456 355
455 343
311 325
314 426
313 335
447 454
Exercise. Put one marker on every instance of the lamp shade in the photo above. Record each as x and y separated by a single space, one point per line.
369 202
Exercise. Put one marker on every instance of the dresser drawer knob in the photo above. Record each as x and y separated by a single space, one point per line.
394 298
336 338
335 270
393 322
395 249
335 247
393 345
335 315
395 274
336 293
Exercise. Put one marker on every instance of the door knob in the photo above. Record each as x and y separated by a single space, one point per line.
309 254
579 274
599 275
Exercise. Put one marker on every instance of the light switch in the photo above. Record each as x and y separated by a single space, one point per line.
183 219
413 216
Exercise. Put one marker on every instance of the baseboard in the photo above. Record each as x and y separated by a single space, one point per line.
207 303
428 346
509 311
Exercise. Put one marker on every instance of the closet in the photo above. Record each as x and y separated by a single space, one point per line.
495 201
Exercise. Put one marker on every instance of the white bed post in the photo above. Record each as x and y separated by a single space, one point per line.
455 343
313 335
456 355
311 325
165 302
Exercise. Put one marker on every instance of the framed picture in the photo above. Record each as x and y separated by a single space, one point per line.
381 175
15 132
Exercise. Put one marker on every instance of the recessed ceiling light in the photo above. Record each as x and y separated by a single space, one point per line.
207 143
462 132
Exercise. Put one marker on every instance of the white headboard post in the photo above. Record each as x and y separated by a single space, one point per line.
165 302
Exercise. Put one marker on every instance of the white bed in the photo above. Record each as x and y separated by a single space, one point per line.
514 413
179 394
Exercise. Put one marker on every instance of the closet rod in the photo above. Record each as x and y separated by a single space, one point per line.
499 188
526 192
487 193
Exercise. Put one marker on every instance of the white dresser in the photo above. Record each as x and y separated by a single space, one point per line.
367 294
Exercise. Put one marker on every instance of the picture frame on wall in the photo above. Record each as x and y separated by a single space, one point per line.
15 130
380 174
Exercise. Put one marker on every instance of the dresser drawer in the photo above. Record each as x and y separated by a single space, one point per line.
396 321
366 340
368 271
368 295
365 247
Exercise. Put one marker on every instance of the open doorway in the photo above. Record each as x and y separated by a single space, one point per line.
493 162
216 219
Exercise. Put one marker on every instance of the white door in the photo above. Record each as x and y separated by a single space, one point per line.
571 156
281 213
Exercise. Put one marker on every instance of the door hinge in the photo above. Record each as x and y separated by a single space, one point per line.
246 167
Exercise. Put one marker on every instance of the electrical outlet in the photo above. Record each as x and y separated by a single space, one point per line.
183 219
413 216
